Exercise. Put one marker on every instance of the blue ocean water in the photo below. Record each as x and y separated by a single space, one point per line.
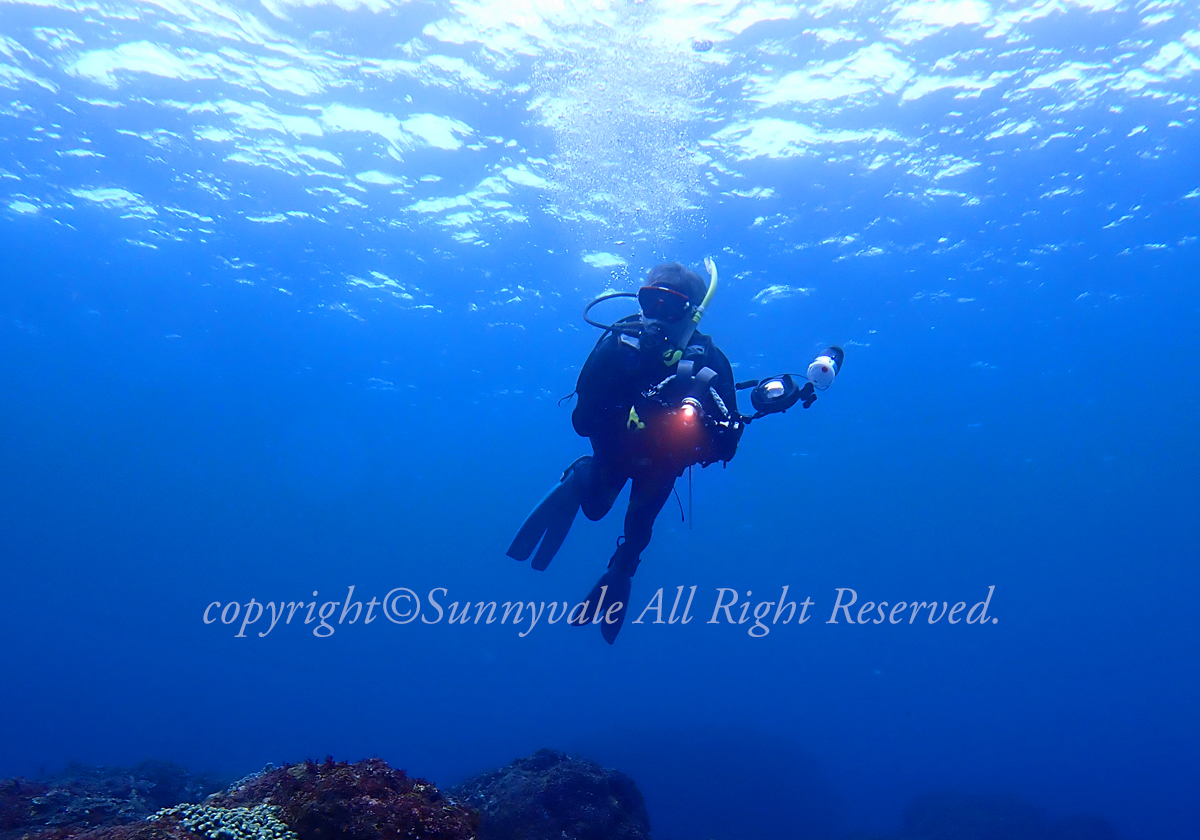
291 291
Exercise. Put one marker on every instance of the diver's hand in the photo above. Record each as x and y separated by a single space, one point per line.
649 409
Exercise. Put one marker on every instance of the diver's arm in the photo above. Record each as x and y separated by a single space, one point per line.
724 436
724 383
602 408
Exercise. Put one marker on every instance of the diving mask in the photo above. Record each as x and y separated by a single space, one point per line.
662 304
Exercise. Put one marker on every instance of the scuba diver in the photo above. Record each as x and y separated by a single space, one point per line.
656 396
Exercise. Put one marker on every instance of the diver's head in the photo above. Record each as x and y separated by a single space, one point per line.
668 301
671 293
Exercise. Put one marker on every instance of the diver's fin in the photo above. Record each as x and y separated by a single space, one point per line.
561 506
550 521
618 591
548 525
612 588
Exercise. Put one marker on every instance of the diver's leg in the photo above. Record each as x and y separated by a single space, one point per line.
646 498
600 484
550 521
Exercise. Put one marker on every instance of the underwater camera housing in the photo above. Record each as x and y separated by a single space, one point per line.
779 393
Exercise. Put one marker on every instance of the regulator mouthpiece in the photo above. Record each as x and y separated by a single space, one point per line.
824 369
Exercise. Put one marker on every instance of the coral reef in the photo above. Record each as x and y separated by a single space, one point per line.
258 823
363 801
310 801
81 798
544 796
17 803
550 796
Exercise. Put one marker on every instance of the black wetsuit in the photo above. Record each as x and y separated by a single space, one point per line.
614 379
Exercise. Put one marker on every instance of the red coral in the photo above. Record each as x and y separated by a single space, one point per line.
363 801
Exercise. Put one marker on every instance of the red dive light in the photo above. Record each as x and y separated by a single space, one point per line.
689 412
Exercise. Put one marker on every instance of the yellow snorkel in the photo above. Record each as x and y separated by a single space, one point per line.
708 296
671 357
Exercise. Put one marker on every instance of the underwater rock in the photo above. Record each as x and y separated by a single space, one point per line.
550 796
364 801
82 798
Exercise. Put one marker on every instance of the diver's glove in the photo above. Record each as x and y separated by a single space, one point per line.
649 410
